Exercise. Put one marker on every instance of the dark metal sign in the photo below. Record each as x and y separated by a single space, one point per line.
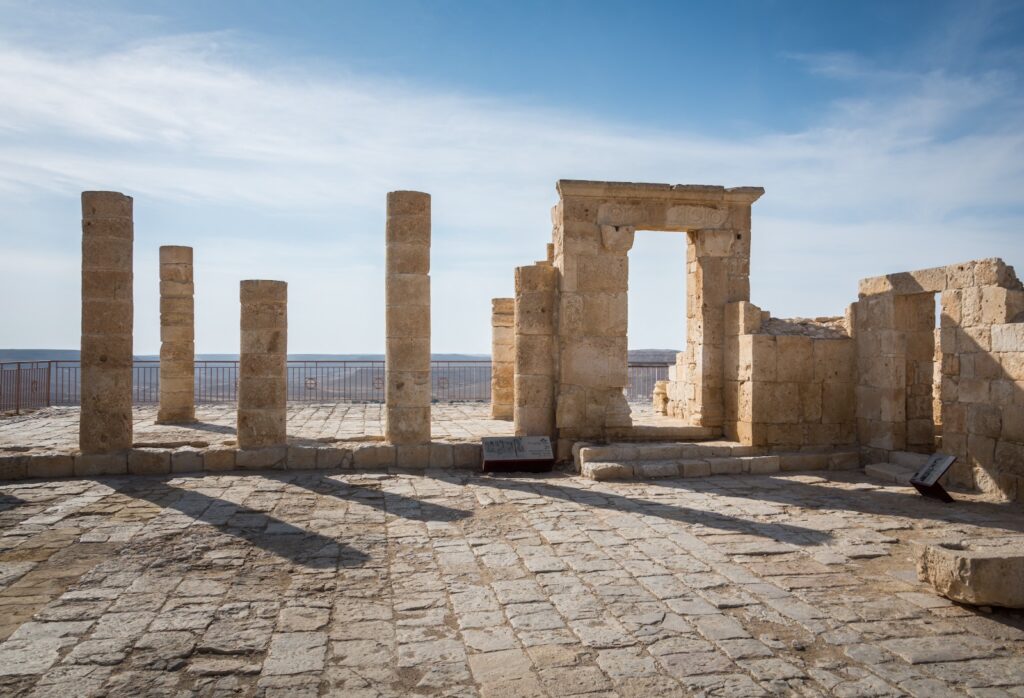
517 453
926 479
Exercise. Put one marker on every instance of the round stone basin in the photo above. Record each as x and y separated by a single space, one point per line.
983 572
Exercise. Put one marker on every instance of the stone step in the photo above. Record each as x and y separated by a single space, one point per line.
703 467
670 450
908 459
644 461
894 473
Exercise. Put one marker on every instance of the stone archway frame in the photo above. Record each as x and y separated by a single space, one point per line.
594 223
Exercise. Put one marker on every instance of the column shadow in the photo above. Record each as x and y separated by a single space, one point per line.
302 547
558 487
907 503
9 501
389 502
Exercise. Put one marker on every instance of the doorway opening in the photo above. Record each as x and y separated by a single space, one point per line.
656 313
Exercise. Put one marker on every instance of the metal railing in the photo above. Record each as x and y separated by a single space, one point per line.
34 384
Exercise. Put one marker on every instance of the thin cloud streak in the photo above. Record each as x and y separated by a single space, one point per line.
193 119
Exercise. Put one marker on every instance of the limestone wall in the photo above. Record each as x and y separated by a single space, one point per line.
789 385
981 344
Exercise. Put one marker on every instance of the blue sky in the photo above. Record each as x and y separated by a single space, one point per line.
888 135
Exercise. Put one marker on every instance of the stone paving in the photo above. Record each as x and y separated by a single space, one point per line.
454 584
55 429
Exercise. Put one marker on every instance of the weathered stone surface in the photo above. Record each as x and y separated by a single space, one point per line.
262 382
106 350
974 572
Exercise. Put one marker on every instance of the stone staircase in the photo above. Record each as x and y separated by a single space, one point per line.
645 460
899 468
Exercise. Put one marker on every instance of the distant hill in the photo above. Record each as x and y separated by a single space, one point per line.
643 355
73 355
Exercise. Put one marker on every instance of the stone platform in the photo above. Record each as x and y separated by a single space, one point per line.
314 584
55 429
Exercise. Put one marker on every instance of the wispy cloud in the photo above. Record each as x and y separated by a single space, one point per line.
893 176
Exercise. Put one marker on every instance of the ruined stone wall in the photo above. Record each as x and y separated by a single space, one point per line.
789 385
981 342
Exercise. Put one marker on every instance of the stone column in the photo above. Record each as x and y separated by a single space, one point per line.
503 354
535 375
407 299
177 336
106 374
262 366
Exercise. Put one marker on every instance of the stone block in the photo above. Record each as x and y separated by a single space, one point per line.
984 420
607 471
13 467
149 461
219 458
302 457
187 460
50 465
468 456
91 464
1008 337
794 359
442 455
375 456
726 466
694 468
975 572
330 457
762 465
271 457
412 456
617 238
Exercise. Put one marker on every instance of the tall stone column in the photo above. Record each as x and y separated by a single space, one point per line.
407 292
106 353
177 336
535 377
503 354
262 366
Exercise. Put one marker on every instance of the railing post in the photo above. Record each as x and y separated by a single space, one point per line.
17 388
49 377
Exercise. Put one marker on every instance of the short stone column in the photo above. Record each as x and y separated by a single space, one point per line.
177 336
262 366
407 299
535 350
503 356
106 353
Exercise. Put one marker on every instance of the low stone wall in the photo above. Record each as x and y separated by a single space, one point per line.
789 383
189 459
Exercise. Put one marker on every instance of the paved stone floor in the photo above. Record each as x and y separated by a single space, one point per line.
56 428
301 584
